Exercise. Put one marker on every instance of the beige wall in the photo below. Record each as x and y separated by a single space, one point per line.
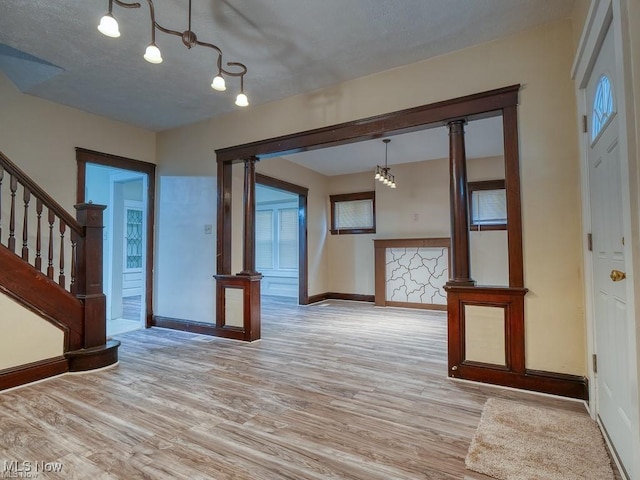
418 208
540 60
578 18
26 337
40 137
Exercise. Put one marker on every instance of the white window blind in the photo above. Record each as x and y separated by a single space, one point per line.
354 214
489 207
264 239
288 238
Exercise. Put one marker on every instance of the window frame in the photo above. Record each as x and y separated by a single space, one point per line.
276 208
350 197
479 186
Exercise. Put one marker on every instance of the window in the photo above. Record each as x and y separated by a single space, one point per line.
133 238
602 106
487 205
353 213
264 239
276 238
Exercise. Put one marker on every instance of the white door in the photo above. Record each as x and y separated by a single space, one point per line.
613 332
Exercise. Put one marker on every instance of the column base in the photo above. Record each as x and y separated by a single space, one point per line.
463 282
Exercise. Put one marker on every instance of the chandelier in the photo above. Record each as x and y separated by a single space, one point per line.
382 173
109 27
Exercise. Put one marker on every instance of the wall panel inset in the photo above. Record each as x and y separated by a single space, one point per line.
484 334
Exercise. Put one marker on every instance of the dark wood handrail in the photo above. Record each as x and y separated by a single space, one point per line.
38 192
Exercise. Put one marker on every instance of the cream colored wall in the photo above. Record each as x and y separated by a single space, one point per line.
578 18
418 208
540 60
26 337
40 137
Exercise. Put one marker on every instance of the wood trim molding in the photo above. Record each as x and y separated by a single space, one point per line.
190 326
250 286
94 357
512 185
84 156
380 247
223 222
351 197
303 242
420 306
500 102
514 373
32 372
476 106
354 297
280 184
571 386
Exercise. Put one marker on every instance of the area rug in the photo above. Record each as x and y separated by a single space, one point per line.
520 442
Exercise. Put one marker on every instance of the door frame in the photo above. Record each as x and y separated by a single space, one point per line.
303 261
602 15
84 156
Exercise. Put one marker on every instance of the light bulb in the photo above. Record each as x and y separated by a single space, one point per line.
381 178
109 26
393 184
386 181
242 100
152 54
377 175
218 83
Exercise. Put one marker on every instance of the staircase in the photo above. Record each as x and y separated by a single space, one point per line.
51 264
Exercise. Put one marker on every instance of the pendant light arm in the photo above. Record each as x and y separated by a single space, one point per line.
189 28
386 152
123 4
188 37
152 14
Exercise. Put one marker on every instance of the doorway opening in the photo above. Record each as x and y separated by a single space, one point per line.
124 192
126 187
281 239
277 242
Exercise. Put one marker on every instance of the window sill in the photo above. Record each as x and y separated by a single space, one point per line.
352 231
484 228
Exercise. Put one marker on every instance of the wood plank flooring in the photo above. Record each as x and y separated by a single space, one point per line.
338 390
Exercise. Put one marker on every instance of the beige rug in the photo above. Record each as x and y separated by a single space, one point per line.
519 442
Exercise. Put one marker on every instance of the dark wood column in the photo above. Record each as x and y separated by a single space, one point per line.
88 286
223 262
249 226
460 260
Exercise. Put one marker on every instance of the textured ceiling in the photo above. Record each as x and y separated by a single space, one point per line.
289 46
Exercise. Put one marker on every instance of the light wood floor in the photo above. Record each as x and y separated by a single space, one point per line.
335 391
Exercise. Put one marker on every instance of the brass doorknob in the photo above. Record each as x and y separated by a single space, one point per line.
617 275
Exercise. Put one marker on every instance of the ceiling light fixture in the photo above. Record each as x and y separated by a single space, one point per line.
382 173
109 26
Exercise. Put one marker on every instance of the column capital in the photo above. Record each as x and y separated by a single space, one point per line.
457 122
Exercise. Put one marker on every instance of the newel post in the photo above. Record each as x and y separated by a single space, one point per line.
89 274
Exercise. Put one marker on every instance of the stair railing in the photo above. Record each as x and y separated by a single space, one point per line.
67 250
